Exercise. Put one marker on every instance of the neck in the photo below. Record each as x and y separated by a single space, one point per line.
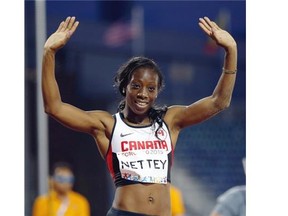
63 196
136 119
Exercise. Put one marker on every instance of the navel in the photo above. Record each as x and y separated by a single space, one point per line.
151 199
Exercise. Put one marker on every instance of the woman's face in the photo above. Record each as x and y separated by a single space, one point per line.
142 90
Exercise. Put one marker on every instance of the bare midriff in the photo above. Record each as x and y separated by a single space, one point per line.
150 199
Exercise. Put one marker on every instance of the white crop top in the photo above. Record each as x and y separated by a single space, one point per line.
136 155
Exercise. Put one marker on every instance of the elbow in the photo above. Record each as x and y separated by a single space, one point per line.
226 105
223 104
47 110
50 110
221 108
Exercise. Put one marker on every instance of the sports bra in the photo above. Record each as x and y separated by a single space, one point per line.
137 155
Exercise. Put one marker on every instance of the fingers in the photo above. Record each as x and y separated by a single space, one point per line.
211 23
68 25
204 27
207 25
74 27
71 22
60 26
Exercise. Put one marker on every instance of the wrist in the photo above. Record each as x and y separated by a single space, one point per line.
232 48
225 71
48 50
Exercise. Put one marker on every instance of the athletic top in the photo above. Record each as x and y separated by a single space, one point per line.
136 155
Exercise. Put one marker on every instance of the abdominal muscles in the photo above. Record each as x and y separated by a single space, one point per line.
150 199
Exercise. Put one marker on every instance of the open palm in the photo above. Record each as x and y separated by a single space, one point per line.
220 36
59 38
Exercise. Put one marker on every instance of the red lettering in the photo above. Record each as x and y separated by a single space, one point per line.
132 145
149 145
157 144
141 144
138 145
123 147
164 145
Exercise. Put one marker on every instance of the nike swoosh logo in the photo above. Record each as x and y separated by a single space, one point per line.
123 135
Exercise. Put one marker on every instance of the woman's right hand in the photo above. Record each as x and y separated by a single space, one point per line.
59 38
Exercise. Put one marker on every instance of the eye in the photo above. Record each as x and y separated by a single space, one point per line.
151 89
135 85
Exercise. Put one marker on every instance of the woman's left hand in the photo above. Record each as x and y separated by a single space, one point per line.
220 36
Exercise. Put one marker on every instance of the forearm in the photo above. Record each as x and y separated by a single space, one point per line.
230 59
50 89
223 92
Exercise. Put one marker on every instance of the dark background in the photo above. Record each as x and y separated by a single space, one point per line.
208 156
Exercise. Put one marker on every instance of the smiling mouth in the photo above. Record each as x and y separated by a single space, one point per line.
142 103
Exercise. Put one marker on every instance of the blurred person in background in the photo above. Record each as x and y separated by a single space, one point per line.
138 141
177 202
233 201
61 200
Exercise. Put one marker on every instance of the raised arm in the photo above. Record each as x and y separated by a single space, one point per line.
67 114
183 116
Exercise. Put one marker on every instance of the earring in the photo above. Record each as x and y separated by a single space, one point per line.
123 91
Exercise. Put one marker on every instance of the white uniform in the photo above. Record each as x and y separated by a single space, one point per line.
136 155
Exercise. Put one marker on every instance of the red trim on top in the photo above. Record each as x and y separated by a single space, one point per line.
109 162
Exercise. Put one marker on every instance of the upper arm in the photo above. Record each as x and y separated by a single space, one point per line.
39 207
85 207
184 116
80 120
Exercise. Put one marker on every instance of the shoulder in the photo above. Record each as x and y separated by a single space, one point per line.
176 194
41 199
174 190
172 111
232 202
101 114
173 116
77 196
175 108
234 193
104 117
